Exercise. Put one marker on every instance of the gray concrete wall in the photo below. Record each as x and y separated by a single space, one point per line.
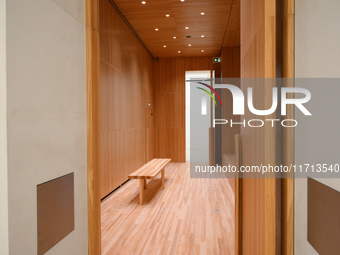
46 113
3 135
317 55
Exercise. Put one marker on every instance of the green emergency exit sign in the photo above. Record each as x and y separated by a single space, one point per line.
217 60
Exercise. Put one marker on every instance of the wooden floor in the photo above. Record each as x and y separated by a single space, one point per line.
191 216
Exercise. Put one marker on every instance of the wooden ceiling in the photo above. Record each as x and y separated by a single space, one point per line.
220 25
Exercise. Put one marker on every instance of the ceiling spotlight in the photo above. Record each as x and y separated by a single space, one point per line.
202 35
156 29
186 27
189 44
174 37
164 46
167 15
202 50
182 0
143 2
179 51
202 13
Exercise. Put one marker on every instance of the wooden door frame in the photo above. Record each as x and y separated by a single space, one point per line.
287 184
92 55
238 197
93 146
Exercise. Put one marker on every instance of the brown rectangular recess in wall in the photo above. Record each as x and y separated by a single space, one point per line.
55 211
323 218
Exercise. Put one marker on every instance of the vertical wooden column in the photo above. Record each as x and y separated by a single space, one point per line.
92 55
163 179
238 197
141 191
288 66
260 218
217 67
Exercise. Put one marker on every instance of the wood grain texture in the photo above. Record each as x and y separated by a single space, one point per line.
231 66
191 216
232 32
288 39
126 88
169 95
150 135
230 69
163 178
258 60
170 104
93 126
229 159
230 135
220 16
288 67
238 196
141 191
151 169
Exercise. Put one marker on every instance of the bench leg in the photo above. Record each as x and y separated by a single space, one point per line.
141 191
144 183
163 179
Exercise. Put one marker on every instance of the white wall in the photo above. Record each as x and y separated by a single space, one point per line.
202 146
3 135
46 108
317 55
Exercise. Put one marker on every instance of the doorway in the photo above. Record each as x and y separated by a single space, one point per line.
199 147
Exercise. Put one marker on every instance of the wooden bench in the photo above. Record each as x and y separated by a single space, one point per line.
149 171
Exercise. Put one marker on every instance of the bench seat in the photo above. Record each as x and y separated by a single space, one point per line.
149 171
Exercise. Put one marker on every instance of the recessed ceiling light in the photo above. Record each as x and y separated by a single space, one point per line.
143 2
182 0
174 37
179 51
164 46
202 13
186 27
202 50
167 15
202 35
189 45
156 29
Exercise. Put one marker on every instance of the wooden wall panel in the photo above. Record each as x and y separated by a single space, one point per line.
169 108
170 98
232 33
258 60
126 88
199 63
150 134
231 62
230 69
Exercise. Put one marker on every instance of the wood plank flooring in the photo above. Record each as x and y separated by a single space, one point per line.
191 216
